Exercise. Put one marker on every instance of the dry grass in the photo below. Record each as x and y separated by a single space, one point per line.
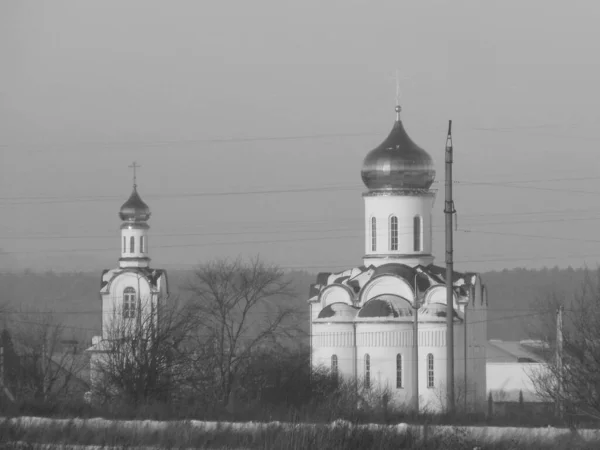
339 435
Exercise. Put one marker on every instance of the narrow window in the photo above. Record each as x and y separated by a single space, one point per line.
129 303
373 234
367 371
131 244
430 370
393 233
398 371
141 244
417 233
334 366
124 244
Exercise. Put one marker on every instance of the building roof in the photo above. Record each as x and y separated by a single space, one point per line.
338 312
152 275
511 351
398 163
134 209
386 306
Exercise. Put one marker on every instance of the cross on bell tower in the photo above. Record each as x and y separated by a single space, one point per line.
134 166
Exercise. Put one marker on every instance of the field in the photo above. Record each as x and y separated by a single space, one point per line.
34 432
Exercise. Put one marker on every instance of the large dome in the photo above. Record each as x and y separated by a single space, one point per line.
398 163
134 209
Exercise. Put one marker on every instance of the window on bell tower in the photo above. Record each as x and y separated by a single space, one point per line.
142 246
124 244
132 244
418 234
393 233
373 234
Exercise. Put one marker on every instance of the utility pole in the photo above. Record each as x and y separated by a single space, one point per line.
558 403
448 211
415 371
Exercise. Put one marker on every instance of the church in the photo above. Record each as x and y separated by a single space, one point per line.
132 293
365 321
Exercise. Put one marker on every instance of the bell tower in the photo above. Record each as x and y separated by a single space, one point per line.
134 230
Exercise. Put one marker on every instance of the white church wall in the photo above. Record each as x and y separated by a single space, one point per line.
112 303
383 342
134 245
405 208
330 339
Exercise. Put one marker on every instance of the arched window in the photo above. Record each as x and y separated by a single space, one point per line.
367 371
418 234
430 370
393 233
131 244
373 234
124 244
142 244
398 371
129 303
334 366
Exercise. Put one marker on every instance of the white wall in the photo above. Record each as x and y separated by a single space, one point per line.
511 378
136 232
112 301
334 339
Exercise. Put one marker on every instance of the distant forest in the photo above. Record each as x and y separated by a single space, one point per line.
73 297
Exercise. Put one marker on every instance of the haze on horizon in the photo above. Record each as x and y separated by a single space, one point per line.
302 91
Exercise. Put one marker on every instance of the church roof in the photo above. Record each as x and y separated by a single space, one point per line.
134 209
152 275
341 312
387 306
398 163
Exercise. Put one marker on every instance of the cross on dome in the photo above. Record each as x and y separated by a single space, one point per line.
134 166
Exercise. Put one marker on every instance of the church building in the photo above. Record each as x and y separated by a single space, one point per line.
131 293
362 320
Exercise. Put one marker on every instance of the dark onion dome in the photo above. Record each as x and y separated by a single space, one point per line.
398 163
134 209
338 312
386 306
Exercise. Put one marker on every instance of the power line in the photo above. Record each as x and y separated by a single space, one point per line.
27 200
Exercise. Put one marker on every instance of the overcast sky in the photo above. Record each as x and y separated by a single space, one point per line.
305 89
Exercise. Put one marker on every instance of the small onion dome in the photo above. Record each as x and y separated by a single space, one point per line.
134 209
398 163
341 312
386 306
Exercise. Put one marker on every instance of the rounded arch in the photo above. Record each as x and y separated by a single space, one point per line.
386 284
437 294
336 293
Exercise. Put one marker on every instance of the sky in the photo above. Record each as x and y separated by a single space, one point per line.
221 101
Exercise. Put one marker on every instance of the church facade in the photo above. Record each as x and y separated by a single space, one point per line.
132 293
363 321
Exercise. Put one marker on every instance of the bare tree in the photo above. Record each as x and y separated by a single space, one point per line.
146 357
241 309
45 371
573 382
